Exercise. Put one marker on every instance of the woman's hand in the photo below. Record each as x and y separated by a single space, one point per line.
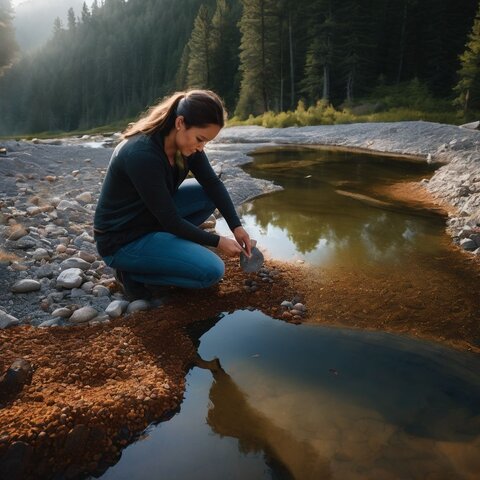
243 238
229 246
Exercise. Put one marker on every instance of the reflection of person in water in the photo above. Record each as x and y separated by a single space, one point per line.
232 416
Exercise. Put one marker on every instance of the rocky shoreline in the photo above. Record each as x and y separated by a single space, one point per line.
51 273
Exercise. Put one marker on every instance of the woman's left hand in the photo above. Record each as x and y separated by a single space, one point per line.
243 238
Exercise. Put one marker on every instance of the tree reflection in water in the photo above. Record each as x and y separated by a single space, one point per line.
230 415
328 205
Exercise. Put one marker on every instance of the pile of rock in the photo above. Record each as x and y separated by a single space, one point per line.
50 271
293 311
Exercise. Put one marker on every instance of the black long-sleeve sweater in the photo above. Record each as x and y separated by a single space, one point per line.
136 196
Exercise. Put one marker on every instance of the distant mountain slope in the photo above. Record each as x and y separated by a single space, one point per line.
33 20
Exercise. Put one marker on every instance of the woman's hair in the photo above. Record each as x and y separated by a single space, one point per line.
199 108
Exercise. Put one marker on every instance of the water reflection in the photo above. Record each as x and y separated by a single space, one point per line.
327 213
317 403
232 415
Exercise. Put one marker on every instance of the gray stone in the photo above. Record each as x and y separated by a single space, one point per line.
101 291
116 308
84 314
286 304
138 305
53 322
88 286
476 238
25 286
25 243
40 254
472 125
300 306
468 244
55 231
75 262
62 312
85 197
78 293
45 271
87 256
68 205
7 320
70 278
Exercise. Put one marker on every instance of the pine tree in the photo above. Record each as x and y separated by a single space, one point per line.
320 54
468 87
225 41
199 62
356 49
181 77
85 13
71 20
8 46
259 57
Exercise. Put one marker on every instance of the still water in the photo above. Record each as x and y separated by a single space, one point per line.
310 402
331 213
316 403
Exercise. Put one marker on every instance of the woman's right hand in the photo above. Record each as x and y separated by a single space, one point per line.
229 247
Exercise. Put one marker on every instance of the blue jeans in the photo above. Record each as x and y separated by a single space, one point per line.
161 258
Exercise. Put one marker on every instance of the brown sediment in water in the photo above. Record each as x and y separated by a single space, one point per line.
415 195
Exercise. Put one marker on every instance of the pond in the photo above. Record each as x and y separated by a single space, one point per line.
311 402
330 212
316 403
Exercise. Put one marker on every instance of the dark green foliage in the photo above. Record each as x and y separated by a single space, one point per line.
114 58
199 67
113 66
259 54
468 87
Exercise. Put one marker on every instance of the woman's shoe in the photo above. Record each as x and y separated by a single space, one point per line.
132 290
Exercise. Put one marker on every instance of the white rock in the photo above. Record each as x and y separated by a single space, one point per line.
138 305
116 308
62 312
25 286
70 278
75 262
300 306
68 205
84 314
53 322
7 320
85 197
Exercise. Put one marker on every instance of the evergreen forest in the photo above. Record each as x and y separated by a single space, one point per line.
114 58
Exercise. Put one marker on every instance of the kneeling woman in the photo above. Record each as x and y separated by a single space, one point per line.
147 217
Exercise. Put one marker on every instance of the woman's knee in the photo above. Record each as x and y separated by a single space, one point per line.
213 272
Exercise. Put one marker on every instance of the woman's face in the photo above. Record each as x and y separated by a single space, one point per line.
193 139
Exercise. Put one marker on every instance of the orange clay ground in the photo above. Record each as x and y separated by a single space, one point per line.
94 388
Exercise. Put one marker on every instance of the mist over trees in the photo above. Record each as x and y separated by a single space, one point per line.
33 20
8 46
111 60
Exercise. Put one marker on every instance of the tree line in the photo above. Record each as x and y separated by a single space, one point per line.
114 58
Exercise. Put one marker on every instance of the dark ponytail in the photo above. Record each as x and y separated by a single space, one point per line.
199 108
